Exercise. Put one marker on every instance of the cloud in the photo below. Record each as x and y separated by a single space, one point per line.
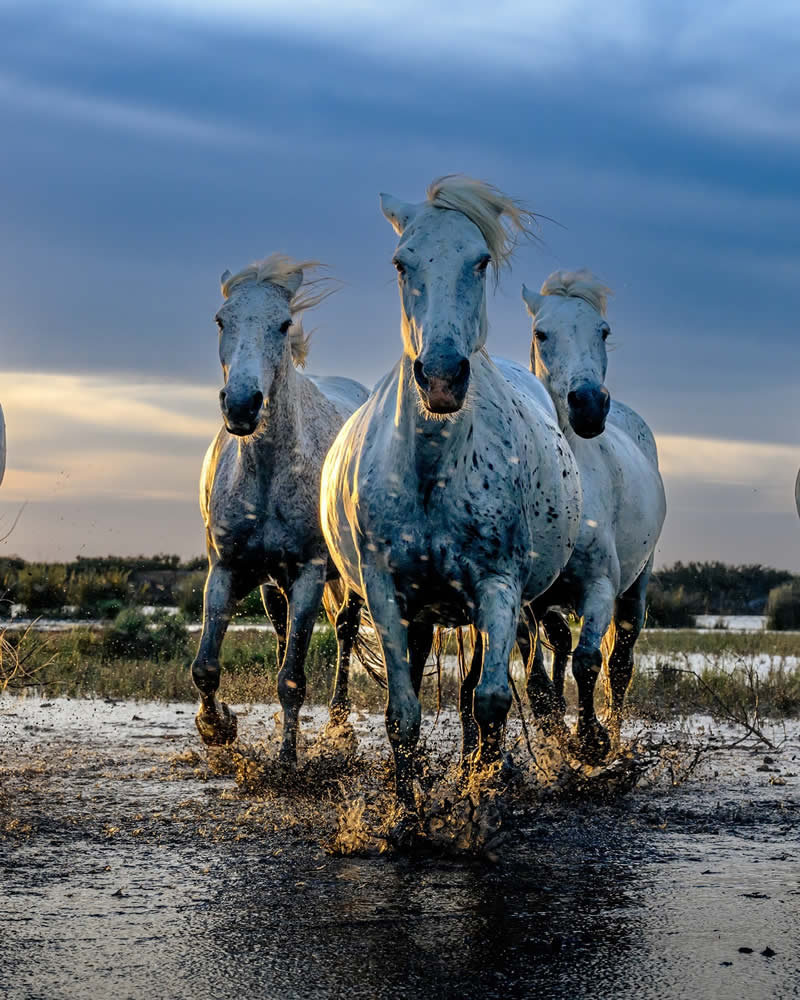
101 112
752 475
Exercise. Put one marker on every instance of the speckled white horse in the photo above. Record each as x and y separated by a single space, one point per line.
450 497
259 488
624 506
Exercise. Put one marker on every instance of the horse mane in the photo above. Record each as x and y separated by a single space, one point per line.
280 269
580 284
501 220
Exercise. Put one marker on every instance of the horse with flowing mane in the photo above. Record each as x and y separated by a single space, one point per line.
605 581
259 487
451 496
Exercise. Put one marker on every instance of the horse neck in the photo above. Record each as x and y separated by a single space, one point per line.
431 442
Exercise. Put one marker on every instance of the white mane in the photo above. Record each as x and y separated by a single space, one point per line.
578 285
281 270
500 219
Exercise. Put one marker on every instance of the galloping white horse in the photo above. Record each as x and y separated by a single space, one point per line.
623 501
450 496
259 488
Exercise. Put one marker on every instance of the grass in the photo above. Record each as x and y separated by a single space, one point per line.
79 662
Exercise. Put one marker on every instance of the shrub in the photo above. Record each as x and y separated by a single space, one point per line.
99 593
136 636
189 593
668 608
783 607
251 606
41 587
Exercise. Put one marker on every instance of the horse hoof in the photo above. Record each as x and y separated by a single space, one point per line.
406 833
217 728
507 766
593 744
338 717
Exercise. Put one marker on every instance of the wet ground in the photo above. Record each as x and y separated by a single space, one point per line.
129 868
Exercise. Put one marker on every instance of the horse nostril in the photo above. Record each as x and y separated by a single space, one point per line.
256 402
222 395
462 374
573 398
419 374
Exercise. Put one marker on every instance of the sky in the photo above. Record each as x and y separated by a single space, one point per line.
146 147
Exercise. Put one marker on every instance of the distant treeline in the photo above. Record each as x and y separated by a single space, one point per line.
684 590
101 587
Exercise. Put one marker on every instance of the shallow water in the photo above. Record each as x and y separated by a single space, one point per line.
128 869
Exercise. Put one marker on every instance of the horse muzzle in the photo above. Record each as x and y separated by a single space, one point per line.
241 416
588 408
442 390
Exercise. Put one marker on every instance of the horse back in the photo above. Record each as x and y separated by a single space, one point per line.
629 421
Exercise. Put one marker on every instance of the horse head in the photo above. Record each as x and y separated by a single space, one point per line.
259 334
568 350
447 244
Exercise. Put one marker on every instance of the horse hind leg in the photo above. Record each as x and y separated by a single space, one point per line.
278 612
541 693
560 638
587 660
215 721
347 622
628 623
466 695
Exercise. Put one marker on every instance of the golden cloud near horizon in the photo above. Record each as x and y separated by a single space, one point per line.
104 436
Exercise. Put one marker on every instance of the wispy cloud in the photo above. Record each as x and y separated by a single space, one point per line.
106 112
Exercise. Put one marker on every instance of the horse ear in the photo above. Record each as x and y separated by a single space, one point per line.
399 213
532 300
224 277
294 279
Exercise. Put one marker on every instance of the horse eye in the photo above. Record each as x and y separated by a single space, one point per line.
606 333
219 323
400 266
483 263
540 336
284 328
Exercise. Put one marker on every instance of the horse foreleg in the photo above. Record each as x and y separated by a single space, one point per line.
628 623
304 600
347 621
403 713
587 661
497 615
215 721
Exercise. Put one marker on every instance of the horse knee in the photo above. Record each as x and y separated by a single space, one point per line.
586 665
291 688
403 719
206 674
491 704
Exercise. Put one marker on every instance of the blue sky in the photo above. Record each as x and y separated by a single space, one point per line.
149 146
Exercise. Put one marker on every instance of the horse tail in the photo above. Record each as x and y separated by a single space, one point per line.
606 649
366 648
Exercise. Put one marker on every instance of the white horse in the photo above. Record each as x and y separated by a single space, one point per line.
606 578
259 488
450 496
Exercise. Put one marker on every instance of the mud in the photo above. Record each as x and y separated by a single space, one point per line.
131 865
